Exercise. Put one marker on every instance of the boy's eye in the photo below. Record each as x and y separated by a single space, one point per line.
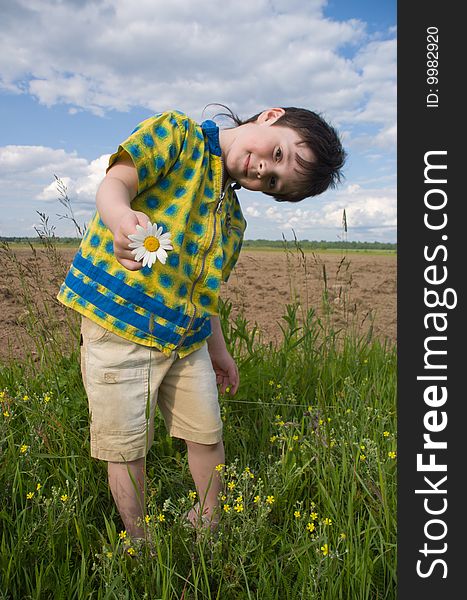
278 154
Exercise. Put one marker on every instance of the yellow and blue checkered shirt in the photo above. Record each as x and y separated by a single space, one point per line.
166 306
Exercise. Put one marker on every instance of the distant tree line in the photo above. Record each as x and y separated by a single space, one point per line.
69 241
322 245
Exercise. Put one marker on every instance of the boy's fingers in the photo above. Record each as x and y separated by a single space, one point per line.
129 264
234 380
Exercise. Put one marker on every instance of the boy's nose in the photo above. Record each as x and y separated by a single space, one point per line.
260 171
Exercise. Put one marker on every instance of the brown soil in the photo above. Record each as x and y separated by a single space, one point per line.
360 289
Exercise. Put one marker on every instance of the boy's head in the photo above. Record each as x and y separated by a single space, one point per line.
288 153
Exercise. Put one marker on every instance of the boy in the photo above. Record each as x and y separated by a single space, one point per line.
157 327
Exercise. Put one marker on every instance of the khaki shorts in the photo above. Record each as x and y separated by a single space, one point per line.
125 381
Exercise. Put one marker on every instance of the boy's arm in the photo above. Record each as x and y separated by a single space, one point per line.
224 365
113 201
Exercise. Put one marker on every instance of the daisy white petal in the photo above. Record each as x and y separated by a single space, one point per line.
139 253
161 255
152 259
137 237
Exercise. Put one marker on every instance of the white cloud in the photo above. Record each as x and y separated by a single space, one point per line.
252 211
31 169
371 214
107 55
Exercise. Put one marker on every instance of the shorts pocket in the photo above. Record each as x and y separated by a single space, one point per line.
118 399
92 332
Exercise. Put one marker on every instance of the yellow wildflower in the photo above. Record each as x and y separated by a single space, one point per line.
271 382
147 519
392 454
295 438
6 413
64 497
192 495
23 448
25 397
223 497
343 536
273 438
278 386
38 486
362 447
46 398
297 514
131 551
362 457
122 535
226 508
256 499
219 467
314 516
270 500
231 485
30 495
386 433
248 472
238 508
327 521
311 527
2 395
239 499
161 517
109 554
325 550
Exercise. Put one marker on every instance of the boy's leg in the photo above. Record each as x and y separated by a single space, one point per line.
127 483
202 460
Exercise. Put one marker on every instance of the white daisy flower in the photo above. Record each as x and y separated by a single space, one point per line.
150 244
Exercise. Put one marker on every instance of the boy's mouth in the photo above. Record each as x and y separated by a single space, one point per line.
247 162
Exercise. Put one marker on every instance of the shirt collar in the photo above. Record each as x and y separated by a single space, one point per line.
211 131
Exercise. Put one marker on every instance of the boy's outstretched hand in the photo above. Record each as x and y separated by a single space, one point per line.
113 201
126 227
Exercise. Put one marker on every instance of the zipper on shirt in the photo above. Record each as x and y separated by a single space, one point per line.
217 211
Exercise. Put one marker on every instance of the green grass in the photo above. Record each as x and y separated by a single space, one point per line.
308 440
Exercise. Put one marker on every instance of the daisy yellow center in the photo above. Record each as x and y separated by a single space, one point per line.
151 243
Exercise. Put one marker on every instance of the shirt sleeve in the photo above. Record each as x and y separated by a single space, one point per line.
233 231
154 146
228 267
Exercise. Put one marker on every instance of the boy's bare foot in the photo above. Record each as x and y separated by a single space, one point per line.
209 518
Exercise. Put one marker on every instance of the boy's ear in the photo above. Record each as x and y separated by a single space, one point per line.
270 115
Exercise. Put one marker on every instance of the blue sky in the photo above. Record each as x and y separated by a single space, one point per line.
76 76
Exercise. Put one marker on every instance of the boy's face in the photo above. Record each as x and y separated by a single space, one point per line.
261 157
